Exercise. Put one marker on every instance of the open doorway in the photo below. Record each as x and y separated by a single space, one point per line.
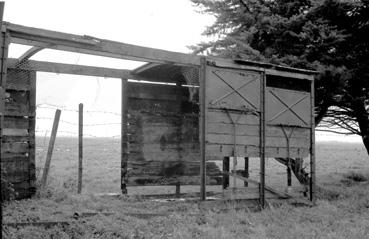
101 126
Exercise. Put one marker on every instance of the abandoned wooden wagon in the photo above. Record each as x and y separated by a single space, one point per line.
181 113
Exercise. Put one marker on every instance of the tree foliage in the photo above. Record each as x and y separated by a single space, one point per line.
329 36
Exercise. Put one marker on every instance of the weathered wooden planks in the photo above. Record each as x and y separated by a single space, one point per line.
254 140
215 151
14 147
18 132
163 137
220 135
15 122
161 180
170 168
91 45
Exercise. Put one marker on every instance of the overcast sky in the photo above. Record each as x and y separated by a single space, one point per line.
165 24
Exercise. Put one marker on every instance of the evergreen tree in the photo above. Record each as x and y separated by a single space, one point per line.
329 36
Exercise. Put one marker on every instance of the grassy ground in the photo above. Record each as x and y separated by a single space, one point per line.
342 210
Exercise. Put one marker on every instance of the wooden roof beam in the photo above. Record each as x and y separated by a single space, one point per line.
62 68
95 46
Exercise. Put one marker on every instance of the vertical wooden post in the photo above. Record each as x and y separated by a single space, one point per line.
246 171
4 46
312 144
289 173
80 146
225 170
178 189
50 148
124 136
202 82
31 133
262 139
3 56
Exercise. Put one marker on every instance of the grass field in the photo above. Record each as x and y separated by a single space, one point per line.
342 210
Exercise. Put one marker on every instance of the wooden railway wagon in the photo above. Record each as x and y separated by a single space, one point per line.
180 112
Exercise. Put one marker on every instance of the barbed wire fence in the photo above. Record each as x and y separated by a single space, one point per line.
101 147
93 134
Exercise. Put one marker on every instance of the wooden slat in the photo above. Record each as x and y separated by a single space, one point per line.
156 90
253 151
8 156
159 118
18 176
254 140
14 147
253 130
14 157
170 168
214 116
95 46
159 180
15 122
15 166
15 132
15 138
166 108
261 67
63 68
19 114
156 154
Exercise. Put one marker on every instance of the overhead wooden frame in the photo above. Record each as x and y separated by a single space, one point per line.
62 68
94 46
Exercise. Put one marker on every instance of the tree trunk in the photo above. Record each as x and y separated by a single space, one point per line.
297 169
362 117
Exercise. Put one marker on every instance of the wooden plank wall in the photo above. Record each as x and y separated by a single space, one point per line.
18 142
163 136
220 137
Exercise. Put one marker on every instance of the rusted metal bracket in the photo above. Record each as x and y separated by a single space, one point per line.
288 136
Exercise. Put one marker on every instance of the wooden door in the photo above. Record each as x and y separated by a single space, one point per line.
232 117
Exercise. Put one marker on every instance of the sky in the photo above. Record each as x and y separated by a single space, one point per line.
165 24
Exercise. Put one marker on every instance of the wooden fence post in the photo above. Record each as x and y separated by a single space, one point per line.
80 146
225 170
124 136
50 148
203 109
246 171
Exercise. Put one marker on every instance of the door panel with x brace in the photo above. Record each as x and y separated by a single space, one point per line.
233 102
287 107
232 89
